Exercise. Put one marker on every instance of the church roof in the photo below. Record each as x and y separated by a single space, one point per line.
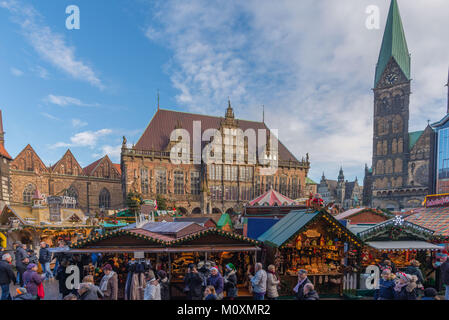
156 136
413 138
394 44
310 181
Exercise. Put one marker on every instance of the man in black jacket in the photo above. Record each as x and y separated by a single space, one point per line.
45 259
22 260
6 276
302 281
193 284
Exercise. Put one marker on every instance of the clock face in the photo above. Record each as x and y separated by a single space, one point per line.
391 78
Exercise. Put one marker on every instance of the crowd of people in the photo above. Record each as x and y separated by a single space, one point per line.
205 281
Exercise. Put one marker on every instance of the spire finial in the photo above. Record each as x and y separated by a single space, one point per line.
263 113
447 85
158 100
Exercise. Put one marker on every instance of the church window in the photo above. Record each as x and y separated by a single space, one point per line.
195 184
388 166
28 193
379 148
380 167
179 182
398 166
104 199
397 124
400 145
144 185
385 147
161 181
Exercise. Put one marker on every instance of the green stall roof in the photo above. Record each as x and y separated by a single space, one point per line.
224 220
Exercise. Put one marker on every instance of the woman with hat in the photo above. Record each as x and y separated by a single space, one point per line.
109 283
405 288
32 280
215 279
165 284
230 281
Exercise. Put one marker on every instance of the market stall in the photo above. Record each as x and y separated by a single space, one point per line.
312 240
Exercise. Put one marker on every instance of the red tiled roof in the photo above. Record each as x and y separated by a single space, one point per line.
157 134
436 219
3 152
117 166
88 170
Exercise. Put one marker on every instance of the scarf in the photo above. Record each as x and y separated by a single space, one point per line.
300 282
398 287
105 280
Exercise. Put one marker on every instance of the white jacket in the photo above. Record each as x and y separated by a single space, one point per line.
152 292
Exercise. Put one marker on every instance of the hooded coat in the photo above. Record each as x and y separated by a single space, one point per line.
216 281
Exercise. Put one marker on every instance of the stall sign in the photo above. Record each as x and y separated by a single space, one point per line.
312 234
437 200
139 255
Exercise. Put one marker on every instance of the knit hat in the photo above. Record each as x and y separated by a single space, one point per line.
31 266
230 266
21 290
107 267
403 276
162 274
213 268
191 265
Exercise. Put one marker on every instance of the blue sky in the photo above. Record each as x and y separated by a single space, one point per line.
310 63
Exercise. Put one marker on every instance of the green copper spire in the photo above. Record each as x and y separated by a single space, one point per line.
393 44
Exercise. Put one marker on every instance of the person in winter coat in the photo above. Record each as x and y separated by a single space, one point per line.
193 283
405 288
22 259
32 280
45 259
209 293
413 269
215 279
272 283
7 276
310 293
152 290
109 283
430 294
88 290
62 276
165 284
443 266
302 281
230 281
23 295
259 282
386 286
32 256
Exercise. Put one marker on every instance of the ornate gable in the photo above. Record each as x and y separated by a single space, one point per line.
67 165
103 168
28 160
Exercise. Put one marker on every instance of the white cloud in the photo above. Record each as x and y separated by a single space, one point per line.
64 101
112 151
84 139
49 116
77 123
16 72
41 72
49 45
310 63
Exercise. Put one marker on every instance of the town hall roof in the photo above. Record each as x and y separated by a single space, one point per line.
156 136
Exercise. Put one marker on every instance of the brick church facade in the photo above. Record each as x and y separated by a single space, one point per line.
401 174
206 188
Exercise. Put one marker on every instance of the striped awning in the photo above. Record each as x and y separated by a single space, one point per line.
403 245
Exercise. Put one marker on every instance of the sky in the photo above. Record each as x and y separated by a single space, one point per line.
310 63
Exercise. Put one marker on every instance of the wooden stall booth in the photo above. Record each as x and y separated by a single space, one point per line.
312 240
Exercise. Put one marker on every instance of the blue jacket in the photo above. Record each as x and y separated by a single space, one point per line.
385 290
217 282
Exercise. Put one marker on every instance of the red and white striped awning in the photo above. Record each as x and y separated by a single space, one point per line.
272 198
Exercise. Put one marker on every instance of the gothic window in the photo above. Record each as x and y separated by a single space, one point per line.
179 182
388 166
104 200
385 147
379 148
161 181
397 101
394 146
269 183
283 185
28 193
382 127
195 184
400 146
144 185
212 172
72 193
380 167
242 174
397 124
234 173
398 166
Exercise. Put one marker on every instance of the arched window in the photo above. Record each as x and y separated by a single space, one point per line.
394 146
398 166
28 193
104 199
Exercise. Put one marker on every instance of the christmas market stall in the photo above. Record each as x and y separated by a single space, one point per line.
398 241
311 239
168 246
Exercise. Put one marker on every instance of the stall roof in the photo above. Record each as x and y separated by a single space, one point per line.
403 245
294 223
162 227
434 218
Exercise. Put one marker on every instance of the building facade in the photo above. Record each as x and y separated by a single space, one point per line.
341 192
5 160
401 173
217 187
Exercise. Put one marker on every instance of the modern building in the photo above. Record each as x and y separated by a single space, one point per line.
401 173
